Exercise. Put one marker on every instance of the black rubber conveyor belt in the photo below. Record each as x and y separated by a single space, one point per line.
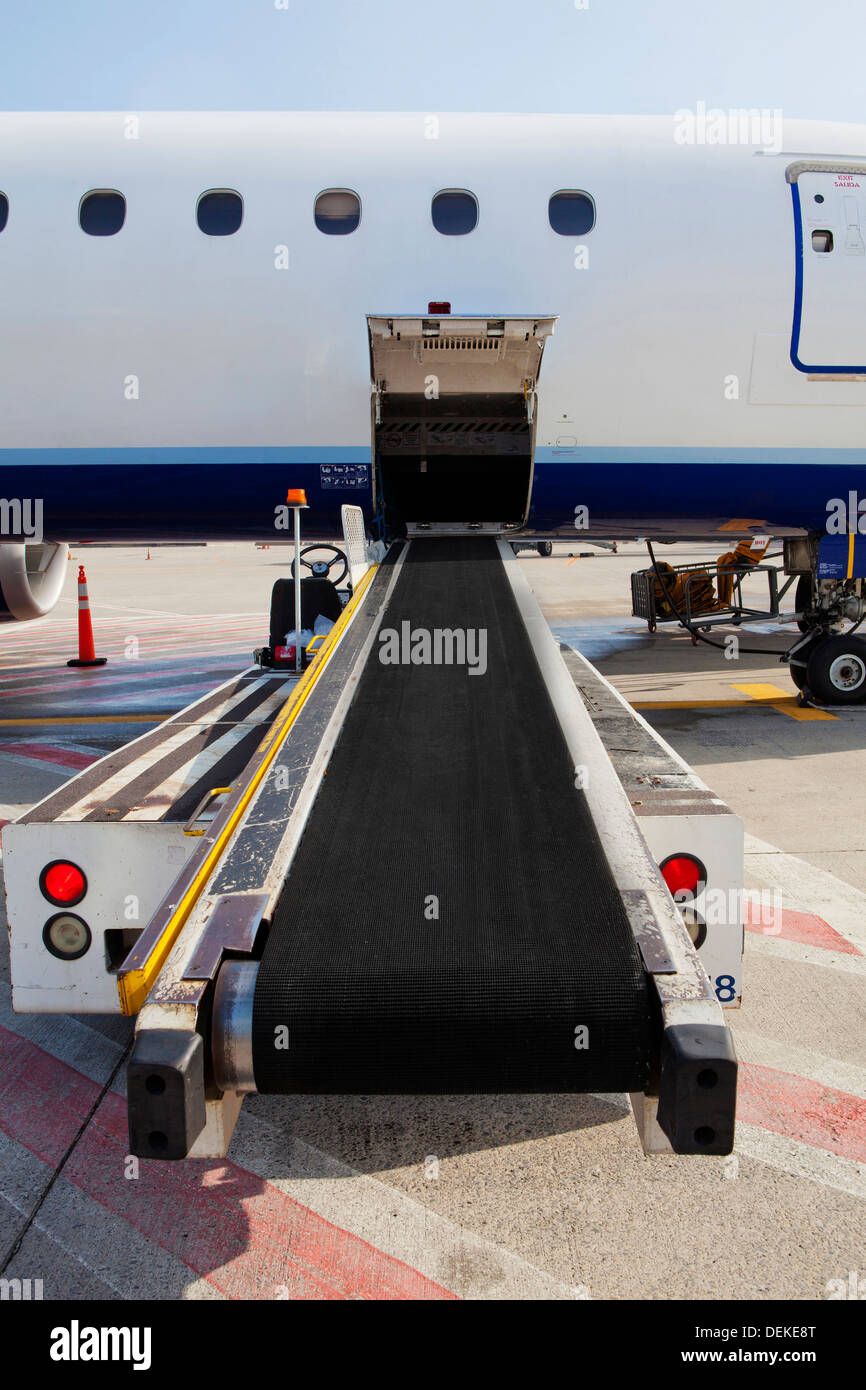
450 919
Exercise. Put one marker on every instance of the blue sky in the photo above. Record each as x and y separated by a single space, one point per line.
630 56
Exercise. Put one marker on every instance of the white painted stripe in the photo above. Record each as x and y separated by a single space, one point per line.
791 1155
185 732
820 956
114 628
394 1223
801 1160
805 888
178 622
160 798
799 1061
85 1049
172 613
42 764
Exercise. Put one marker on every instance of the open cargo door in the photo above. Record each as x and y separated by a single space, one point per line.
454 419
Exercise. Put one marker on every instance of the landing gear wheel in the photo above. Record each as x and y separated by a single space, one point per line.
803 599
652 627
799 673
836 671
545 547
321 569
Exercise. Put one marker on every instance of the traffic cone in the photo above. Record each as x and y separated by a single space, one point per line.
86 654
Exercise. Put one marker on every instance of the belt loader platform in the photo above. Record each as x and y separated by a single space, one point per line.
429 877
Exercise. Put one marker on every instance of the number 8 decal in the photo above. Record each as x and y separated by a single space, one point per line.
726 989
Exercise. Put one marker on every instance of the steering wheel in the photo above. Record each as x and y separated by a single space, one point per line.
321 569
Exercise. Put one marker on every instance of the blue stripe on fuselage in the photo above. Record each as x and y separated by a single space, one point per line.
232 493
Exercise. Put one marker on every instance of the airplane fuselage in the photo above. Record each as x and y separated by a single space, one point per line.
161 383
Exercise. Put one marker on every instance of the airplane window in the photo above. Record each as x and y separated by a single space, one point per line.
4 210
454 212
337 211
220 212
822 240
102 212
571 213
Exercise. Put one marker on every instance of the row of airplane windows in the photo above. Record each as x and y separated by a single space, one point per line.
337 211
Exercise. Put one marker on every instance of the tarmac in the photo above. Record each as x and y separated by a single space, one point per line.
491 1197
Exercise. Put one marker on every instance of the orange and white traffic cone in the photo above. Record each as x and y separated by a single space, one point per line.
86 653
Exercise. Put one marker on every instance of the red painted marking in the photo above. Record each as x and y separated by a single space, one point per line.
801 1109
796 926
46 753
229 1226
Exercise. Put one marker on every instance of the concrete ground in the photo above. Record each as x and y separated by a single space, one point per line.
436 1197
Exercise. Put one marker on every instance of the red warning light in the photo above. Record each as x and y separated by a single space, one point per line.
439 306
62 883
683 873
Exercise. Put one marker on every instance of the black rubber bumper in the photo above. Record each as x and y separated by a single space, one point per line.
165 1093
698 1088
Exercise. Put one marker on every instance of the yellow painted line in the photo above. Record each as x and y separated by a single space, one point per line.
764 692
91 719
780 700
135 986
573 560
782 703
688 704
805 713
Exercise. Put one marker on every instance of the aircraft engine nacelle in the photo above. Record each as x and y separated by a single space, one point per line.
31 578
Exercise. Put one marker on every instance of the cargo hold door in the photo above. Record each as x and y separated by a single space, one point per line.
829 331
454 402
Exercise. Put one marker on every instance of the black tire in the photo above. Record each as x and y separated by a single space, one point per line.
803 599
836 671
799 673
545 547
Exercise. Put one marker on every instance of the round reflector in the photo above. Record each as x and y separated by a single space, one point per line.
695 925
62 883
684 874
66 936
